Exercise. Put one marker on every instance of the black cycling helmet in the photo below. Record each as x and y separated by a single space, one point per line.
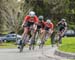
41 17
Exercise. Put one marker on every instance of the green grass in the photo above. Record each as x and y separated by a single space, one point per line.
12 45
8 45
48 42
68 44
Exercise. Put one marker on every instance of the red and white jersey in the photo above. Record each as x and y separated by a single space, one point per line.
28 18
49 25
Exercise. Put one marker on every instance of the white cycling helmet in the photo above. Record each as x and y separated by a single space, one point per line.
63 19
31 13
48 21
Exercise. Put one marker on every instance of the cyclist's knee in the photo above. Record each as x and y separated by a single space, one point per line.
25 30
42 30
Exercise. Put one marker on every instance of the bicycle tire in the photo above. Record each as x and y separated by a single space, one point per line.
21 47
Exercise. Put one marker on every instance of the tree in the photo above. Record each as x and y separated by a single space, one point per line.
12 13
57 9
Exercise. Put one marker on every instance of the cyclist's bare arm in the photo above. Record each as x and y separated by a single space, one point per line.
26 18
58 23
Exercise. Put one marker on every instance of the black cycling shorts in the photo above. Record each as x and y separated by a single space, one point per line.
61 29
28 24
47 28
38 27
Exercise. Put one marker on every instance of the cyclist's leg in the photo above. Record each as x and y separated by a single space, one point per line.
24 35
57 38
47 34
41 36
25 32
60 37
37 35
53 36
32 43
43 32
32 39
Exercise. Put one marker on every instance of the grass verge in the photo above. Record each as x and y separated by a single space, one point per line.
8 45
68 44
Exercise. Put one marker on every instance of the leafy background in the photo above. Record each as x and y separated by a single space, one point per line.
12 12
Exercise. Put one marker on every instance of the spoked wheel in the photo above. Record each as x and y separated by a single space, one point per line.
23 42
32 45
55 40
21 47
41 44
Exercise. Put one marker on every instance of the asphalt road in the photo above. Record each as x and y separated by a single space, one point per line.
37 54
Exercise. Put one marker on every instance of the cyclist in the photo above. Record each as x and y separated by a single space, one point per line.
62 27
29 21
49 26
41 23
40 28
48 30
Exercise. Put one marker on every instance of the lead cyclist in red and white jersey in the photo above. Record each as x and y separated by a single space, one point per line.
30 21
